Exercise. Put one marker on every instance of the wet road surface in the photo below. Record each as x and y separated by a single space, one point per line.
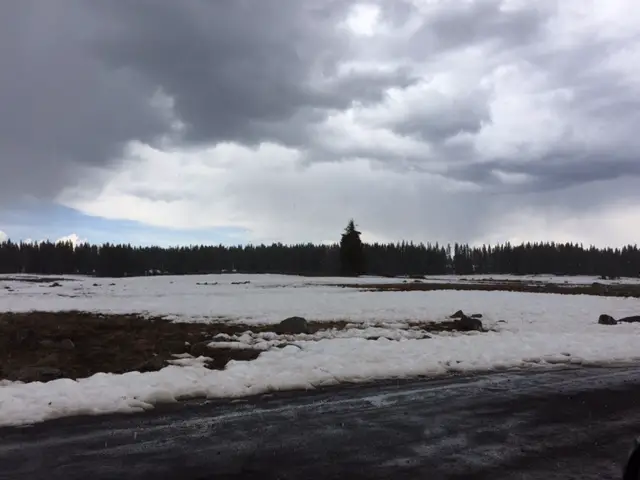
560 424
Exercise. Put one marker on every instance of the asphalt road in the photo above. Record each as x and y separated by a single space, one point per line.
562 424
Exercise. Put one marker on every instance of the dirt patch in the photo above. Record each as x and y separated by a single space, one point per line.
38 279
595 289
45 345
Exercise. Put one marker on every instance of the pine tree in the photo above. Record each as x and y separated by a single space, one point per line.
351 252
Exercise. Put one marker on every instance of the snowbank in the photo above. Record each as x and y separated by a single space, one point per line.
306 365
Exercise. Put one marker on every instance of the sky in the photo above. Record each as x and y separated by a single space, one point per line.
250 121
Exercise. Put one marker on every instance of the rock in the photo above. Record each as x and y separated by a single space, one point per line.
468 324
458 314
38 374
55 284
51 359
476 315
633 319
606 320
66 344
200 349
293 325
150 365
47 343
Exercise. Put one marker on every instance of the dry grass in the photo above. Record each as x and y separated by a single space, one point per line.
106 343
596 289
30 342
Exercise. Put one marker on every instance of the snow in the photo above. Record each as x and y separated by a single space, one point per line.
269 340
308 365
271 298
530 330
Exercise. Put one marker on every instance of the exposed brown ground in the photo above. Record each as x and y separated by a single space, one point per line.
597 289
31 343
42 346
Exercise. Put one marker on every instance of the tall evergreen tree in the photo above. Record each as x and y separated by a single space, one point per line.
351 252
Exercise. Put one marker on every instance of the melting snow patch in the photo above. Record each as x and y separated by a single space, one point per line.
308 364
190 361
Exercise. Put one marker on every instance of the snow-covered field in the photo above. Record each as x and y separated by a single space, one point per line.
270 298
529 330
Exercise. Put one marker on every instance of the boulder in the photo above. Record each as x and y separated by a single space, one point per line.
66 344
605 319
458 314
469 324
48 361
293 326
633 319
47 343
476 315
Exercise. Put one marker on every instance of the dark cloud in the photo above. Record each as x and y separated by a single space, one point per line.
554 173
234 67
60 106
443 117
78 78
451 25
596 107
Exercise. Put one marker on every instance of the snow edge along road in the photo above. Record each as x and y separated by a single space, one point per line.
307 365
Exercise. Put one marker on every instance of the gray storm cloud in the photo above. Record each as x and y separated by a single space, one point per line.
61 108
78 79
237 68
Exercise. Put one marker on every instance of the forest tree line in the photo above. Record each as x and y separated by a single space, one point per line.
405 258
